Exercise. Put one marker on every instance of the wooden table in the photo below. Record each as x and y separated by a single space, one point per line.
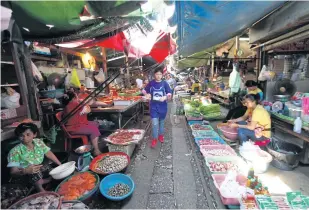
286 126
119 110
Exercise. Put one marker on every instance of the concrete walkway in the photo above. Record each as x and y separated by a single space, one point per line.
171 175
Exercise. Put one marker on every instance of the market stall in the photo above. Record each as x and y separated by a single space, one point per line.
236 175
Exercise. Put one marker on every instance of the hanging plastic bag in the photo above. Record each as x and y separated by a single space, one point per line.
74 79
100 77
36 73
262 76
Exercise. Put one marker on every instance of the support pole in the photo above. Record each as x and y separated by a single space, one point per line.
104 61
212 65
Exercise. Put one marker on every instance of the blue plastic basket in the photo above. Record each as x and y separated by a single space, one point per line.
113 179
58 93
191 122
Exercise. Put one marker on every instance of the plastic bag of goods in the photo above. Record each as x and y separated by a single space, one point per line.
74 79
230 188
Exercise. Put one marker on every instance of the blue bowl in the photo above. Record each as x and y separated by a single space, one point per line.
113 179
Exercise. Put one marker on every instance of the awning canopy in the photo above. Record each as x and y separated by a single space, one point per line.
203 24
58 21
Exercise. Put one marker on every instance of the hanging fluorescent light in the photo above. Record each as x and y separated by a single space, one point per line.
112 59
244 39
26 29
50 26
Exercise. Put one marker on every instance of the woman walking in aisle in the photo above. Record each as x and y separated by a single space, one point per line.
158 92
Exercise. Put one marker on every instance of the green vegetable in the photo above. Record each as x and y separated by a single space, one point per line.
195 104
212 108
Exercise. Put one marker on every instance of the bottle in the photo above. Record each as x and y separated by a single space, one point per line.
297 125
251 172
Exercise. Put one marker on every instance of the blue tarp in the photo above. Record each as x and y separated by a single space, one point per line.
203 24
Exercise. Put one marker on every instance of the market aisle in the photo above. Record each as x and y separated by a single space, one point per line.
168 176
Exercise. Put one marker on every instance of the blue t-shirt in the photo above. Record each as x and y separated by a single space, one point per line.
158 90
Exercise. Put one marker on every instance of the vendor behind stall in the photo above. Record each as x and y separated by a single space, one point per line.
78 124
255 124
251 88
26 159
196 87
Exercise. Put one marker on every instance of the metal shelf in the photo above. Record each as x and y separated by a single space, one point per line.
7 62
10 85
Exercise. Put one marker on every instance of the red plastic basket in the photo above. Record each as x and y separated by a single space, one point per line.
219 178
263 143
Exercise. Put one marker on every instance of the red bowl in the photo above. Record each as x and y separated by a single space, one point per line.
93 163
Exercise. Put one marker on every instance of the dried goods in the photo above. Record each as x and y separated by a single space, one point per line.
208 142
112 164
40 202
220 166
119 190
77 186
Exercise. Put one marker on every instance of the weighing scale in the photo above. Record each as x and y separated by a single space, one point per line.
85 158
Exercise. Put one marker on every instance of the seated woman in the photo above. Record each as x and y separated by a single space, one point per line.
255 124
78 124
251 88
196 87
26 159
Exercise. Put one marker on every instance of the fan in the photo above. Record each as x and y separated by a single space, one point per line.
284 87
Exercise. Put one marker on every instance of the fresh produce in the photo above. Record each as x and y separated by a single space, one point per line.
195 104
119 190
77 186
40 202
212 108
112 164
208 142
217 152
123 136
221 166
199 127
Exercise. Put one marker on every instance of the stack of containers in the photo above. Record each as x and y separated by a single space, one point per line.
219 157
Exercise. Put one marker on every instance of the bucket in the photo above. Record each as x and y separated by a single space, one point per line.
288 154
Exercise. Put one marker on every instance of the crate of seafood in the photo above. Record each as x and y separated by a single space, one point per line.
217 150
108 163
126 136
209 141
204 134
199 127
224 164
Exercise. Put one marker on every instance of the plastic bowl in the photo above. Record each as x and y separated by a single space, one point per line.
63 170
228 132
113 179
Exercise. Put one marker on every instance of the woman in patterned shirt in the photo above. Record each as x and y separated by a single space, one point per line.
26 159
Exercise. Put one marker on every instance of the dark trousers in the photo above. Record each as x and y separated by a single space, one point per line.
235 113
